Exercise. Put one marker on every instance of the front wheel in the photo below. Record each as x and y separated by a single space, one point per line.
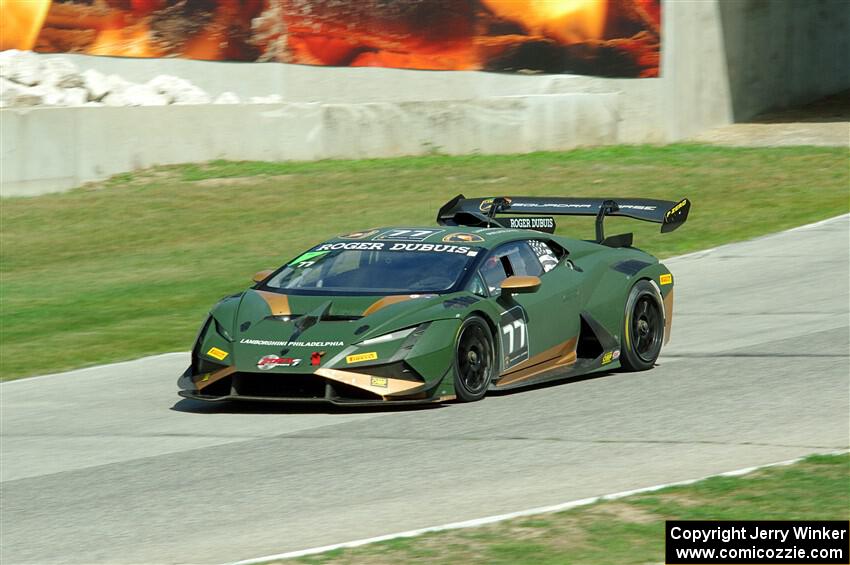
474 360
643 328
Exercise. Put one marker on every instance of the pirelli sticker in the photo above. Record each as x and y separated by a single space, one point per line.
666 279
360 357
217 353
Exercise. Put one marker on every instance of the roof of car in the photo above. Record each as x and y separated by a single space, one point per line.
459 235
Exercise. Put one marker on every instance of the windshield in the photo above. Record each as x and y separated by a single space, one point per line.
375 268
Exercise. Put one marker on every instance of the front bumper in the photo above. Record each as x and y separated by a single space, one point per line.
343 388
298 400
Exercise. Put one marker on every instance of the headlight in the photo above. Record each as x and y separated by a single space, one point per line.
222 331
398 334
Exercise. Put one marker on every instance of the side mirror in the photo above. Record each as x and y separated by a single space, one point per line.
262 275
520 285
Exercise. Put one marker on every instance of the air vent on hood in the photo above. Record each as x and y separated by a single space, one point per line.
326 318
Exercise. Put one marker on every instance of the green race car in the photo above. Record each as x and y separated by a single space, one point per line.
489 299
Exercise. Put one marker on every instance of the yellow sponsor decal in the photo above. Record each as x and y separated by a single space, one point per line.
666 279
607 357
379 381
371 356
217 353
676 208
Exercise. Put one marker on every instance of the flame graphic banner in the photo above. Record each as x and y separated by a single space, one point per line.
611 38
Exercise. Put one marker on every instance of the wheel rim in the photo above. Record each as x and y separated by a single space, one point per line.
646 328
474 358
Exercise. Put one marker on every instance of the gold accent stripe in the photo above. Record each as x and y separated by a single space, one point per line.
563 354
386 301
278 303
201 383
260 276
364 381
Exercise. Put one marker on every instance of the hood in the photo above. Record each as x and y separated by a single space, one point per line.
297 326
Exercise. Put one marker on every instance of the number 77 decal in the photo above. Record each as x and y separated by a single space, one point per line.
406 234
514 329
517 327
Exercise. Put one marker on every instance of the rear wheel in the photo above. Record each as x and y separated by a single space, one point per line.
474 360
643 328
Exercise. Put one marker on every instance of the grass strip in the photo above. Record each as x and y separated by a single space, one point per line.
625 531
129 267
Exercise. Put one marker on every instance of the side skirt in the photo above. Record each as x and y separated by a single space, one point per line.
580 367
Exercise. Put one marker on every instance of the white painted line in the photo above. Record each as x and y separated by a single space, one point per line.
117 364
820 223
511 515
804 227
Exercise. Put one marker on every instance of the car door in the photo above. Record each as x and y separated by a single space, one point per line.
564 281
533 326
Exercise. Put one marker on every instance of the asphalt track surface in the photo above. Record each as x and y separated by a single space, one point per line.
107 465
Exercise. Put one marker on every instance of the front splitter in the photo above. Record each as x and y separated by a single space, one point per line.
298 400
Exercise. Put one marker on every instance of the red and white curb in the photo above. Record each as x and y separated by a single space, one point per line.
511 515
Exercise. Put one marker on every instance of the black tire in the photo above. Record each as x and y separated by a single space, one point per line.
474 361
643 327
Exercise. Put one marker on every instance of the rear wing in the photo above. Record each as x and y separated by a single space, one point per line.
481 212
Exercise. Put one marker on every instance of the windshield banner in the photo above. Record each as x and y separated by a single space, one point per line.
380 246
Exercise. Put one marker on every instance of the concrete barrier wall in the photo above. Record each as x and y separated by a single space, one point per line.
304 83
721 60
329 113
782 53
54 149
695 91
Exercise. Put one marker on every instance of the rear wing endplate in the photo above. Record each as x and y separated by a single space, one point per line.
481 212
